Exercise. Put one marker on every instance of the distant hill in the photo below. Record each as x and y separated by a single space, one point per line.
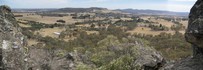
76 10
97 9
33 10
152 12
92 9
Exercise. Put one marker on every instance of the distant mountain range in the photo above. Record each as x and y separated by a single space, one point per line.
77 10
33 10
93 9
152 12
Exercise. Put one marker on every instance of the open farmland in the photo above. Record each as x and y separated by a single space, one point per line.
148 31
103 32
70 20
50 19
163 22
24 25
32 42
185 23
46 19
52 32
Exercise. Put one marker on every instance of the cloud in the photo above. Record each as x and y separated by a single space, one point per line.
41 1
37 3
178 7
100 0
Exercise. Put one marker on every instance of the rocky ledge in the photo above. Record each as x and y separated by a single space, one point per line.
12 42
193 35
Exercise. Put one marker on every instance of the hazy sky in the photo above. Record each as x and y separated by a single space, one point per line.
170 5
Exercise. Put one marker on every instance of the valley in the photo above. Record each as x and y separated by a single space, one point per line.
102 35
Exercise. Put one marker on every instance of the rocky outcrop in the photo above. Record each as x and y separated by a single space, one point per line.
15 55
147 57
194 35
44 59
12 42
144 57
137 55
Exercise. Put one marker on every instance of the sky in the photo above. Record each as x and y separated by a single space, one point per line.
168 5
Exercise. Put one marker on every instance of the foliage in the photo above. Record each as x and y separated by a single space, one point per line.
122 63
111 49
37 25
102 58
82 66
172 47
129 24
159 28
61 21
109 41
178 27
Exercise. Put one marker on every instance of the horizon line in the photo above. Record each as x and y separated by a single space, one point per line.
106 8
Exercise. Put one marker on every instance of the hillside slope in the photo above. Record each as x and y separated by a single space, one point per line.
109 53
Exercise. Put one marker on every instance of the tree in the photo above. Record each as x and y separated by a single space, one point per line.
93 26
61 21
160 25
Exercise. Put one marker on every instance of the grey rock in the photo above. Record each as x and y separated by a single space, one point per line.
148 58
43 59
12 48
193 35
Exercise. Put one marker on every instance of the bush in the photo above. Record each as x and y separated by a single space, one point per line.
82 66
102 58
123 63
173 47
61 21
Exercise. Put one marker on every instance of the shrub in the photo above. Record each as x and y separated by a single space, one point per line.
123 63
102 58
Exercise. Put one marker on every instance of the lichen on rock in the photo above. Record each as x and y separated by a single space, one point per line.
11 47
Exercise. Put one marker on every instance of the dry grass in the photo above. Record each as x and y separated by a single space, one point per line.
68 19
51 20
146 30
145 17
50 32
126 19
22 21
23 25
185 23
47 20
32 42
163 22
83 25
68 39
92 32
